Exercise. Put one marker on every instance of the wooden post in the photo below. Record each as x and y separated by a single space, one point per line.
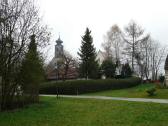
57 93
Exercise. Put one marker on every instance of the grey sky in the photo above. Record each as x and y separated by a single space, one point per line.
71 17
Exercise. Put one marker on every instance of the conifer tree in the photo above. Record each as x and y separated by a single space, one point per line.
88 65
32 72
108 68
126 70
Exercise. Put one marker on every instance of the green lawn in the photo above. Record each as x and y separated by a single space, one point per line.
84 112
135 92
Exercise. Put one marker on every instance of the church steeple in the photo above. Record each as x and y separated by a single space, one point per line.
59 48
59 41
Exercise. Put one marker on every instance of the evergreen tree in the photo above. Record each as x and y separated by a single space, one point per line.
126 70
108 68
32 72
88 65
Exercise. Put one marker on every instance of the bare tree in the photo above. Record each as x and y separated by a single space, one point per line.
107 48
146 47
157 56
69 63
19 19
133 36
113 43
115 38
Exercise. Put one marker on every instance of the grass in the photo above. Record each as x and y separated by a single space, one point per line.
135 92
84 112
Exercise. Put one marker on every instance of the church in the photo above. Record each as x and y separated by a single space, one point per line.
56 68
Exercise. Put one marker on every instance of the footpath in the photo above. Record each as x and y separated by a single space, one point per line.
111 98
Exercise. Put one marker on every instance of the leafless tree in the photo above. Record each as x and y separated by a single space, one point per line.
115 38
19 19
133 36
107 48
157 57
65 65
69 63
146 47
150 58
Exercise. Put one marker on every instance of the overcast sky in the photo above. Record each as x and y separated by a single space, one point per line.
71 17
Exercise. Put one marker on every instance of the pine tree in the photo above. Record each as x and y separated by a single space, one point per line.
126 70
88 65
108 68
32 72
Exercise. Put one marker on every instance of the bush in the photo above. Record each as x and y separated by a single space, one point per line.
108 68
161 78
151 91
86 86
126 70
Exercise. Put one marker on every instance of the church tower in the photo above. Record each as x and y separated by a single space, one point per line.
59 49
55 69
59 52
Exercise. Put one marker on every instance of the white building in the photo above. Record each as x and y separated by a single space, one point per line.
100 56
166 71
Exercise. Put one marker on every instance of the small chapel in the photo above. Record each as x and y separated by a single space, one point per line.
55 69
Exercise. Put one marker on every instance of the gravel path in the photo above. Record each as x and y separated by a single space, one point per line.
112 98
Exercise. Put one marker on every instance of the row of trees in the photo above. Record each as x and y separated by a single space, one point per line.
120 49
20 62
89 66
134 46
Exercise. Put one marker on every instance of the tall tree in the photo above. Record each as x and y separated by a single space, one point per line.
114 42
145 55
87 53
157 56
126 70
18 20
107 48
32 73
133 37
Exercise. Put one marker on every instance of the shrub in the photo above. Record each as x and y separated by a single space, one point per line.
161 78
86 86
126 70
108 68
151 91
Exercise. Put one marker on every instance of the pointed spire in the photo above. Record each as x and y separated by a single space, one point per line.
59 41
59 36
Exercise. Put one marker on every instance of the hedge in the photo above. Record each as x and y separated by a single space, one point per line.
86 86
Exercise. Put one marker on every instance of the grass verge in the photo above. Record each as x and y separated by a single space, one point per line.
84 112
134 92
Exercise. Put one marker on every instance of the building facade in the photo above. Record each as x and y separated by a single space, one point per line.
166 71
